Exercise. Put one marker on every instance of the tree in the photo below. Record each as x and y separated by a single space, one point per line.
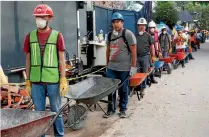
166 12
202 10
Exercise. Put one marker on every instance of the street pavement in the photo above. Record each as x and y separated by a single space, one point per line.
178 106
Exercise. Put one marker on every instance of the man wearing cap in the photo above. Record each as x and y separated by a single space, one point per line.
44 48
121 62
145 49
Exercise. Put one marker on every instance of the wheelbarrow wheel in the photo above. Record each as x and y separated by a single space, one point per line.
76 117
160 73
169 69
175 64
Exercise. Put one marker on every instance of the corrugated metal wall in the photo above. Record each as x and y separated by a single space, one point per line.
103 19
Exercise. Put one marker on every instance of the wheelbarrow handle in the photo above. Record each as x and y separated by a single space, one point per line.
58 113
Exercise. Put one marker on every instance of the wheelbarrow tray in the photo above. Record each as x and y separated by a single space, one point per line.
173 55
137 79
92 90
24 123
167 59
158 64
178 56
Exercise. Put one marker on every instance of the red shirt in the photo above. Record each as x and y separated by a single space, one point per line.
43 37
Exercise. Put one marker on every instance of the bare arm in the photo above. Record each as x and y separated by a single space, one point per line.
152 50
28 65
133 55
107 54
62 63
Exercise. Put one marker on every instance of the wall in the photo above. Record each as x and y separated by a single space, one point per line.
103 19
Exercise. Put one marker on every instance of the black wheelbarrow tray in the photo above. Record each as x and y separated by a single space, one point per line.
92 90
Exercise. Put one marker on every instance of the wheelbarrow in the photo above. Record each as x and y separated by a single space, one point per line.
25 123
136 81
178 57
92 90
158 65
168 61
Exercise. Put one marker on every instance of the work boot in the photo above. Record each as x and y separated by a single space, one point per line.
109 113
154 81
122 114
142 93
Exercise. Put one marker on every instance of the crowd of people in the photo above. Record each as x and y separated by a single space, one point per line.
128 54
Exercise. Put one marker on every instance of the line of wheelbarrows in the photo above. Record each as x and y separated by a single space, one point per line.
88 92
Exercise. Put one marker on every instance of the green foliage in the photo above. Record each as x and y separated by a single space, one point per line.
166 12
203 11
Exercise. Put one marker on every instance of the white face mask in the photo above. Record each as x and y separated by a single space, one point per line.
115 33
164 32
41 23
152 30
141 33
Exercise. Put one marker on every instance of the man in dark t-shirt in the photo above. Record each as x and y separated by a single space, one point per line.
145 50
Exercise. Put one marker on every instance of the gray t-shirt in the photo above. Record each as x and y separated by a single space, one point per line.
143 44
120 58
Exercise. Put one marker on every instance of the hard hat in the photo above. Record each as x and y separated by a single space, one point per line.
152 24
117 16
164 27
179 28
43 10
142 21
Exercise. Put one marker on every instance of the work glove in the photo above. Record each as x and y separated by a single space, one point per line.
28 87
160 55
154 58
63 86
133 71
170 50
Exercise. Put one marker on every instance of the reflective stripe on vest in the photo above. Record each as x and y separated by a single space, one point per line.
44 69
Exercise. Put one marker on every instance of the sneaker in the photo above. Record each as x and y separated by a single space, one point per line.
108 114
122 114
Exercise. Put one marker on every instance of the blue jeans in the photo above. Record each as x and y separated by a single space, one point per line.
143 63
39 93
165 54
123 90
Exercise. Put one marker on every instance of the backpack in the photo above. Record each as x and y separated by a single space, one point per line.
122 36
